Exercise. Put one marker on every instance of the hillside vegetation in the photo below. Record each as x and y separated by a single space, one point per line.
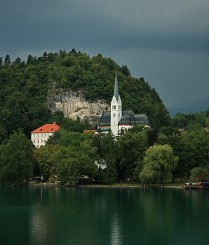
25 85
173 149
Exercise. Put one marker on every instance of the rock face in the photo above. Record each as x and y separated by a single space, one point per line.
74 105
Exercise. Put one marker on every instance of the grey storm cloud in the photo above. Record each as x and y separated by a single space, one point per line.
138 33
179 24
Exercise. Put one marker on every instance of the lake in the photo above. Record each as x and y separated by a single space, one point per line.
103 216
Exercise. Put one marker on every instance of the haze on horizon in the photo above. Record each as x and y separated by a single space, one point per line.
166 42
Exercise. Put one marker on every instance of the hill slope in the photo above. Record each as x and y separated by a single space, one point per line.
26 86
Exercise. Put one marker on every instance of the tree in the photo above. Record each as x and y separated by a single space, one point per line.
1 61
7 60
190 120
16 159
172 136
67 155
109 154
3 133
158 163
131 150
14 115
199 174
125 70
192 149
72 163
45 160
29 90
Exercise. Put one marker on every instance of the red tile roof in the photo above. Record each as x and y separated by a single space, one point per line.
85 131
47 128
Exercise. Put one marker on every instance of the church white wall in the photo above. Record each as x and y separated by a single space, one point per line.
116 113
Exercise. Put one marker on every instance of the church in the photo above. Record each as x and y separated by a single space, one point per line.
116 120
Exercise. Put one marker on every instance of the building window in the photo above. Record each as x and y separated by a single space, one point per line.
114 107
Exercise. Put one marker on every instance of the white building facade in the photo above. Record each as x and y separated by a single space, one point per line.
40 135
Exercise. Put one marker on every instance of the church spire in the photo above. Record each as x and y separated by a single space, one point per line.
116 109
116 92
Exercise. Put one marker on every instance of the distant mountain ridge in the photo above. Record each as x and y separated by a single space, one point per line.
189 107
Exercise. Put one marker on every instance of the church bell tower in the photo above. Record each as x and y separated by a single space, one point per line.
116 109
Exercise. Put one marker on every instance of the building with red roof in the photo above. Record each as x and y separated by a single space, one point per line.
86 131
40 135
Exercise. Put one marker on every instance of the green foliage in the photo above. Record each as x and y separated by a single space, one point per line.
190 120
109 150
197 147
68 156
125 70
191 146
122 156
45 161
131 150
158 163
72 163
24 91
25 87
16 160
199 174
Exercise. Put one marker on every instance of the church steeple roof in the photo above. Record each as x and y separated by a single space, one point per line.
116 91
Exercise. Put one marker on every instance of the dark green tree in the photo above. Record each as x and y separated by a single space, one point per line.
7 60
131 150
16 160
110 155
125 70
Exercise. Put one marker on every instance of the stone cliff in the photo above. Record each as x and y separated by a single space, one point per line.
74 105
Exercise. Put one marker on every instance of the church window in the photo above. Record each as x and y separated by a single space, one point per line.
113 114
114 107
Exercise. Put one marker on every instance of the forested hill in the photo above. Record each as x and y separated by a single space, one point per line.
25 86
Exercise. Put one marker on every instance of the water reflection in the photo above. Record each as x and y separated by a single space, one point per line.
38 228
60 216
116 236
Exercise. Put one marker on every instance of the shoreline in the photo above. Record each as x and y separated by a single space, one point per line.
104 186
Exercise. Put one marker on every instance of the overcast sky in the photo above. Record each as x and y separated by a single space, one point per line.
164 41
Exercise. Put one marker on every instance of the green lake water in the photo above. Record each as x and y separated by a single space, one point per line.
103 216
